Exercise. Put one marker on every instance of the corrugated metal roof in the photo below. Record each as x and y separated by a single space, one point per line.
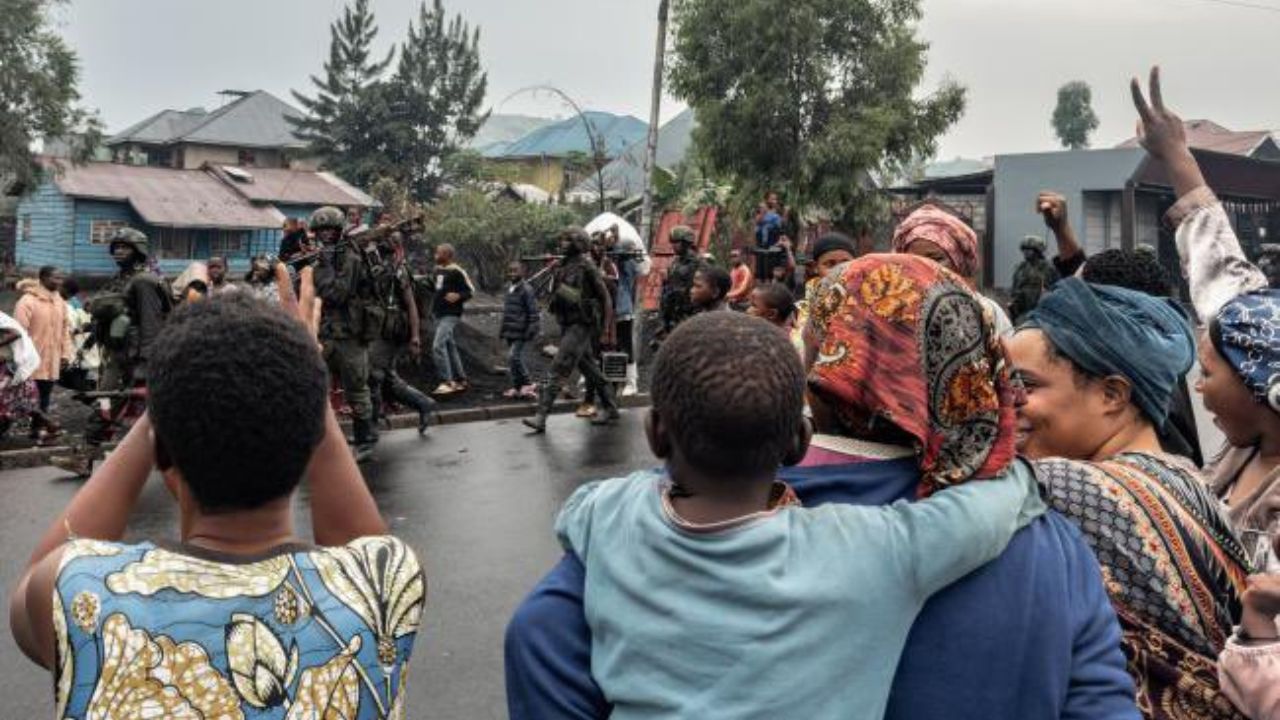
1209 135
166 197
569 135
294 187
258 119
625 175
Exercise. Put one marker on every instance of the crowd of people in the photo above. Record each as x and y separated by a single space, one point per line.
889 501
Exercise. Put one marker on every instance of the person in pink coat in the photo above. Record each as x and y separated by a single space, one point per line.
43 314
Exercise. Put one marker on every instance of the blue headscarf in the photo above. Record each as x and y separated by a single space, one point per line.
1247 333
1108 330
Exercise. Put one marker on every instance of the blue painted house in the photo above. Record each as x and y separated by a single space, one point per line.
188 215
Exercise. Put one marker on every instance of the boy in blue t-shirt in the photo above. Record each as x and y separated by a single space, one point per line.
705 580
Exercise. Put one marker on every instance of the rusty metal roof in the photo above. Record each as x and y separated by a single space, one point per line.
1209 135
166 197
291 187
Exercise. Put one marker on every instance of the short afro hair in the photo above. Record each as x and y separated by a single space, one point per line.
237 393
1132 270
718 278
778 297
730 413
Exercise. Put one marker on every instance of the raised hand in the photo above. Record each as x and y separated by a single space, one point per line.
1053 207
306 309
1160 130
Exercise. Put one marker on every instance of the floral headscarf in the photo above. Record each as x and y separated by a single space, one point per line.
901 338
943 229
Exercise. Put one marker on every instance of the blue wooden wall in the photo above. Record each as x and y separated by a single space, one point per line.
61 234
52 220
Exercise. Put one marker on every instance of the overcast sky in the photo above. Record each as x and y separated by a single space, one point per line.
140 56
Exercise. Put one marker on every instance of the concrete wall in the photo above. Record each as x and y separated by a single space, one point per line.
1020 178
194 156
546 173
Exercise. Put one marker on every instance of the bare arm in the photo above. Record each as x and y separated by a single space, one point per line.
606 303
99 511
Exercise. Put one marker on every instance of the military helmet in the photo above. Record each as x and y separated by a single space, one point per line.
327 217
682 234
576 237
1033 242
133 238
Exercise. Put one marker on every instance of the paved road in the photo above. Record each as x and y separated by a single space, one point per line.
476 500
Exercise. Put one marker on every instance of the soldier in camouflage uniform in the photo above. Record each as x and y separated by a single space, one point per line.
127 313
344 283
398 308
1031 279
584 309
675 305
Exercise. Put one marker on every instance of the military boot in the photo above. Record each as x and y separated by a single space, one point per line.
547 395
607 408
365 439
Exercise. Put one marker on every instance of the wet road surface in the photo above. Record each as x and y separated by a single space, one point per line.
476 501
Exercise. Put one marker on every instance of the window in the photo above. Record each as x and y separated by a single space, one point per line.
246 158
158 157
25 233
227 243
101 231
173 244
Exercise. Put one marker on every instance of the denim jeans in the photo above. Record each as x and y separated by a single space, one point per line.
515 364
445 350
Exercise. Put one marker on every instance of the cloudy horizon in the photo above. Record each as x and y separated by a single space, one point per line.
142 56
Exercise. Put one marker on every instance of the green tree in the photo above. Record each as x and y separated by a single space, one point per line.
346 122
1073 118
38 95
813 99
438 88
490 233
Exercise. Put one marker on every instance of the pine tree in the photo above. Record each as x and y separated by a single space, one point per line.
438 89
346 116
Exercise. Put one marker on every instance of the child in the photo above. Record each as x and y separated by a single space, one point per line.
774 303
520 322
710 289
240 618
1249 666
705 580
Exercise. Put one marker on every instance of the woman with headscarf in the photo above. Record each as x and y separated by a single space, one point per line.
911 394
1099 364
829 252
932 232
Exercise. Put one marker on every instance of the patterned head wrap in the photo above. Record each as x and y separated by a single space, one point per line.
901 338
1108 330
1247 333
943 229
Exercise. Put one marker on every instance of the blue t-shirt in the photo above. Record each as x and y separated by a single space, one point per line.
1029 635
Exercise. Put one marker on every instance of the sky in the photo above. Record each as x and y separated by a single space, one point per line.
1217 56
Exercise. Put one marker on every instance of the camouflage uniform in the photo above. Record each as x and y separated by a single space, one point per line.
675 305
345 286
392 281
1031 279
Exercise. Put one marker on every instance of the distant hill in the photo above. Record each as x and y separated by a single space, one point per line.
501 130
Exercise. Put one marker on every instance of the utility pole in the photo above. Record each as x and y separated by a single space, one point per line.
655 106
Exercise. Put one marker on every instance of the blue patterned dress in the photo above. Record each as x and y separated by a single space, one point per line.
154 631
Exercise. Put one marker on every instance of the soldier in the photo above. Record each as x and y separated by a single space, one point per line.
675 304
394 287
127 313
344 284
1033 276
584 310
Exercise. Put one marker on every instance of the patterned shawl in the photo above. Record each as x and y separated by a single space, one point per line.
1172 565
943 229
900 338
